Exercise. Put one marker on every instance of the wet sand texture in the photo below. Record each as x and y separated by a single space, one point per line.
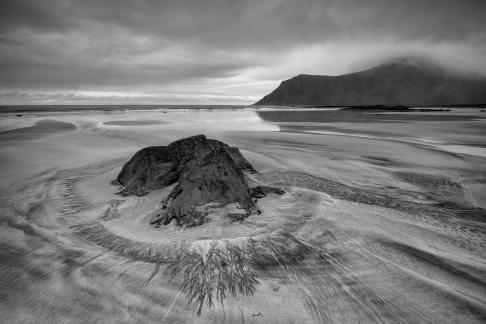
369 230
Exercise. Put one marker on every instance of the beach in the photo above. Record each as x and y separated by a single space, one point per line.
382 219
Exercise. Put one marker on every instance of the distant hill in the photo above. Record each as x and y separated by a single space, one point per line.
403 81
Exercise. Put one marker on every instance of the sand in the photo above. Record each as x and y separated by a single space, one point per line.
381 220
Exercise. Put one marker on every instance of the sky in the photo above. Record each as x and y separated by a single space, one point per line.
218 51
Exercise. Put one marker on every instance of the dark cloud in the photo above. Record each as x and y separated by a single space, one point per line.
233 22
50 75
120 43
38 15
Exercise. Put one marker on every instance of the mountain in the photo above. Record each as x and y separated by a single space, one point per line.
403 81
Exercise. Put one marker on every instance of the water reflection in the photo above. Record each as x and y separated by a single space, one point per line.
213 119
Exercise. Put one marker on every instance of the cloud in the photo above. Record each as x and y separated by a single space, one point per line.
224 48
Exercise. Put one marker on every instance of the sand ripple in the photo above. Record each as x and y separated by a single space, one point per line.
324 252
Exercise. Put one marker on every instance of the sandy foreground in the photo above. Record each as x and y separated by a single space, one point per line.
382 220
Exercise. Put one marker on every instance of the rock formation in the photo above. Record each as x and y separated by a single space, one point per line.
404 81
208 173
156 167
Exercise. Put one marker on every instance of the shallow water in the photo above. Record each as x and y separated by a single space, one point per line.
379 223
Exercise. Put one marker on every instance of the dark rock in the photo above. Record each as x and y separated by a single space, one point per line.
206 172
262 191
156 167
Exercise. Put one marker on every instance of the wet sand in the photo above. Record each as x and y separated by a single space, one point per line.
380 222
134 122
41 128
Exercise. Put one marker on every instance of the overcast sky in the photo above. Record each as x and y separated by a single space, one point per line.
218 51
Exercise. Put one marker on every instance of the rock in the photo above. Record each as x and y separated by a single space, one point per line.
206 172
156 167
262 191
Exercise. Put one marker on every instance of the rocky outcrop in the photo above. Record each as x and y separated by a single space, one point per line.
207 173
404 81
156 167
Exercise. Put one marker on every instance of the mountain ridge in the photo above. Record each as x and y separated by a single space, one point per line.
402 81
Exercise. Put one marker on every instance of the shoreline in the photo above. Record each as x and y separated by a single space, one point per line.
23 109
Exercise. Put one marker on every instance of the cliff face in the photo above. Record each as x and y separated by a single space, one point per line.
409 82
206 172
